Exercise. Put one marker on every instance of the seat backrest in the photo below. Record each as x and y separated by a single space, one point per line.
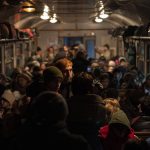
143 135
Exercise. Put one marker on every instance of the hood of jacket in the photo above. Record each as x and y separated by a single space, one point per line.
120 117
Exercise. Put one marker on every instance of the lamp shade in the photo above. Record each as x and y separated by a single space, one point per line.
28 7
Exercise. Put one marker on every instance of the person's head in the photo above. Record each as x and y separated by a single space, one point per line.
111 65
119 125
15 72
66 48
82 83
39 51
52 77
113 93
112 104
49 108
65 65
50 49
7 100
36 73
123 61
80 55
104 79
119 130
134 95
23 80
145 105
106 47
43 66
128 76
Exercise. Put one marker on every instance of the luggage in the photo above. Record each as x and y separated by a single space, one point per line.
4 32
7 31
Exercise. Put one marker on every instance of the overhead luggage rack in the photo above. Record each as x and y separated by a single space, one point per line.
14 53
142 46
13 40
140 37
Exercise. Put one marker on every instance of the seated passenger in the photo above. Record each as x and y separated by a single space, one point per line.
112 105
142 122
114 135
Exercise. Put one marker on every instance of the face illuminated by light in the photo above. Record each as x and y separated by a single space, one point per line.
67 72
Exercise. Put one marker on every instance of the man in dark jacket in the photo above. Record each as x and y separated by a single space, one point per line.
46 127
86 111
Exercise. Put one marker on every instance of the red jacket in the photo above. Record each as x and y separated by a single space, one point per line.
113 142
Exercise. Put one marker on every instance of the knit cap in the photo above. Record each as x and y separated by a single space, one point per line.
25 76
51 73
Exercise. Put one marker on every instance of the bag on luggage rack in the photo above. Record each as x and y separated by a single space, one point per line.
4 32
7 31
142 30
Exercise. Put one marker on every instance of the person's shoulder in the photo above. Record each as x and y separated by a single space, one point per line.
95 97
79 142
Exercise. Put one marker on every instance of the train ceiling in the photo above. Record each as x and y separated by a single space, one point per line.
76 14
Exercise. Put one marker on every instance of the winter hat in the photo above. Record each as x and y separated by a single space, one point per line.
122 58
121 118
25 76
52 72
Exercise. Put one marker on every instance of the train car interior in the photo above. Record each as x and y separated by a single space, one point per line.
119 22
123 26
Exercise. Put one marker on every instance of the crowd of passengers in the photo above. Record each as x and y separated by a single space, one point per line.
73 103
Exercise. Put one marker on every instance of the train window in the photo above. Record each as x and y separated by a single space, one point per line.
90 48
70 41
148 59
8 58
148 52
1 59
140 56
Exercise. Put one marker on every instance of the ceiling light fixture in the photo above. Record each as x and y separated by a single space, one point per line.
27 7
53 18
103 15
98 20
101 10
46 8
44 16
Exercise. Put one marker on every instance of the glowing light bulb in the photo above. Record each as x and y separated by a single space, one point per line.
97 19
53 20
44 16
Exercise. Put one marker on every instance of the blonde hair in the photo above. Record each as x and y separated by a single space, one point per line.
112 104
